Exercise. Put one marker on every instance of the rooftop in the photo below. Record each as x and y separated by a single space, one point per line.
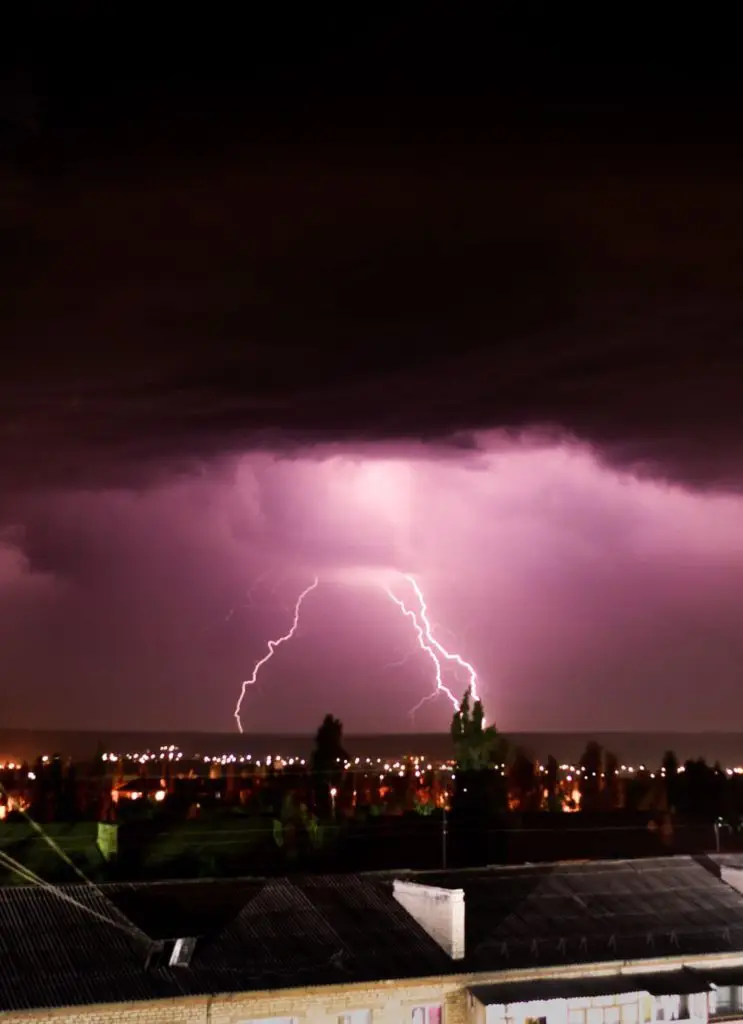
80 945
594 911
678 982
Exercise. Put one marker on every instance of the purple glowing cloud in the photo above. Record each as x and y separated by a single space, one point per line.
585 597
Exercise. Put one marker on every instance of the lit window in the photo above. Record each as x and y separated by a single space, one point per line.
611 1015
576 1016
427 1015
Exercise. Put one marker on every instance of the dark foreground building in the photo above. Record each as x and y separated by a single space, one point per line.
635 942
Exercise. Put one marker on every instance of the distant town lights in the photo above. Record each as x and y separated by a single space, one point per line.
415 764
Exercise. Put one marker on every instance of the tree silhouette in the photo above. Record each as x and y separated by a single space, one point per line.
590 779
476 745
523 784
700 794
98 765
328 760
554 802
611 795
671 776
480 753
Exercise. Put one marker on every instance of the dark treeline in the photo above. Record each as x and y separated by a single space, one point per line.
497 804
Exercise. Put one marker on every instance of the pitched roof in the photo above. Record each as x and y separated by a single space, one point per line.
80 944
591 912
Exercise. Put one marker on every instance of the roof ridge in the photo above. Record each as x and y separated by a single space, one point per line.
384 874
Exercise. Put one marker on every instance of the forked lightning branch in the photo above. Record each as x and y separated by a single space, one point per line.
416 612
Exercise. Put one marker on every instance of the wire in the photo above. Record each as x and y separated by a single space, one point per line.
218 837
68 860
34 879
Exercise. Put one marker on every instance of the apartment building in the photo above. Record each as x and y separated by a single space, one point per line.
622 942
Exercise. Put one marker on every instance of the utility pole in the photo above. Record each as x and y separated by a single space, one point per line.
444 834
719 823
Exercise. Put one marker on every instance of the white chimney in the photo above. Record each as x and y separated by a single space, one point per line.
440 912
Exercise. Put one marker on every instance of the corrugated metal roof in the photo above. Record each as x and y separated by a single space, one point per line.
56 948
257 934
590 912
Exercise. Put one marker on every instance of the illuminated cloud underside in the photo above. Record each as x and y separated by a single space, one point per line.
586 598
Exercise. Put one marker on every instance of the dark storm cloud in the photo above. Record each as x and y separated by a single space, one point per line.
243 259
247 341
256 270
261 306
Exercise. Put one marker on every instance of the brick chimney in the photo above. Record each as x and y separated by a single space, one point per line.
440 912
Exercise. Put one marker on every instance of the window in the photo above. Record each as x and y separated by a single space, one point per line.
604 1014
722 1001
630 1013
427 1015
356 1017
676 1007
669 1008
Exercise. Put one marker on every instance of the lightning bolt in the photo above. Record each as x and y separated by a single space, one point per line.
400 661
424 700
429 649
249 602
432 647
427 642
272 646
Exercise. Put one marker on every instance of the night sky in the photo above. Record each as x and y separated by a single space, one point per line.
353 296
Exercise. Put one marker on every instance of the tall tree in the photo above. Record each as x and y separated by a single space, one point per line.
523 785
612 798
328 760
590 777
98 765
476 745
481 753
671 777
554 802
699 793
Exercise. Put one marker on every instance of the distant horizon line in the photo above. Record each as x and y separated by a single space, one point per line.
390 732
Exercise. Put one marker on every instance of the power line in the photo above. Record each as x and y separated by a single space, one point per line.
41 834
217 836
30 876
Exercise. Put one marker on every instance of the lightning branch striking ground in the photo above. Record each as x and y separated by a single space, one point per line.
272 646
427 642
431 646
442 652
